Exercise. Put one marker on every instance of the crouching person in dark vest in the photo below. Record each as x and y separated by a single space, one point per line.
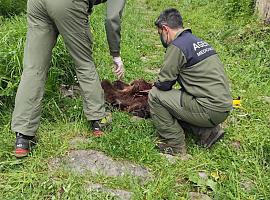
204 100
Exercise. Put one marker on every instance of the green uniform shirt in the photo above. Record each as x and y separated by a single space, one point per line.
112 23
195 65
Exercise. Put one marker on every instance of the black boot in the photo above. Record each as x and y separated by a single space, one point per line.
209 136
99 126
23 145
170 149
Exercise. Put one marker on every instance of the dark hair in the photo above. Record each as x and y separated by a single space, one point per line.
170 17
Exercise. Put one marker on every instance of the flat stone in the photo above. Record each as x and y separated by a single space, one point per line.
198 196
96 162
171 159
121 194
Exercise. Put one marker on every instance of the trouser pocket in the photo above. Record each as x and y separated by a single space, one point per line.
216 118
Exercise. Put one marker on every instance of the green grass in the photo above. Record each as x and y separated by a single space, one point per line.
243 44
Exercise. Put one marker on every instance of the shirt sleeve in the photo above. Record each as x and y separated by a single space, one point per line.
113 25
173 61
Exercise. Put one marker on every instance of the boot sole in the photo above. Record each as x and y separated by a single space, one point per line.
20 153
98 133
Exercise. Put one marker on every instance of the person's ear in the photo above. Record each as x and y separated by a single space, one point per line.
165 28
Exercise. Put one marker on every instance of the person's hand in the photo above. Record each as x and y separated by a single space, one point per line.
119 69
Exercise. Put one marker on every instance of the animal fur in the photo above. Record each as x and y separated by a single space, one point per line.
132 98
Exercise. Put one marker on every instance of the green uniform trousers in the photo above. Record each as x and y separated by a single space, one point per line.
46 20
170 108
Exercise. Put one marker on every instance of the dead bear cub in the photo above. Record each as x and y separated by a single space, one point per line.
132 98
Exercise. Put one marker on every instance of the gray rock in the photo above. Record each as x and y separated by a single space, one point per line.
121 194
96 162
198 196
171 159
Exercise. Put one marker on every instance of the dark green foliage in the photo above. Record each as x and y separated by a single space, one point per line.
12 36
12 40
12 7
237 8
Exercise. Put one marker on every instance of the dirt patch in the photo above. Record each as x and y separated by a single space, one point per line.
96 162
247 185
236 144
54 163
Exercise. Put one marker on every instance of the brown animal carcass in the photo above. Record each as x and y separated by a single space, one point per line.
132 98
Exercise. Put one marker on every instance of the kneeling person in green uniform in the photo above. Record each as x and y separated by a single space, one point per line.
204 100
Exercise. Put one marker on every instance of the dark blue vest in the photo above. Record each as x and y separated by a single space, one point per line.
194 49
99 1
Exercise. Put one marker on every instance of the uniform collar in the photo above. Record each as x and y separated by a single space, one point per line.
182 31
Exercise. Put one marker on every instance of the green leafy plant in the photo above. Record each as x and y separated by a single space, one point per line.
203 182
12 7
237 8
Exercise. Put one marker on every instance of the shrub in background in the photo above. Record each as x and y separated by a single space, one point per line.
12 40
12 7
238 8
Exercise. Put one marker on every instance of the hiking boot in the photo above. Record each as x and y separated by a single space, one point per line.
209 136
177 152
23 145
167 149
99 126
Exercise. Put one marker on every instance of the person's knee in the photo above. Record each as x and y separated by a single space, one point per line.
153 95
110 19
